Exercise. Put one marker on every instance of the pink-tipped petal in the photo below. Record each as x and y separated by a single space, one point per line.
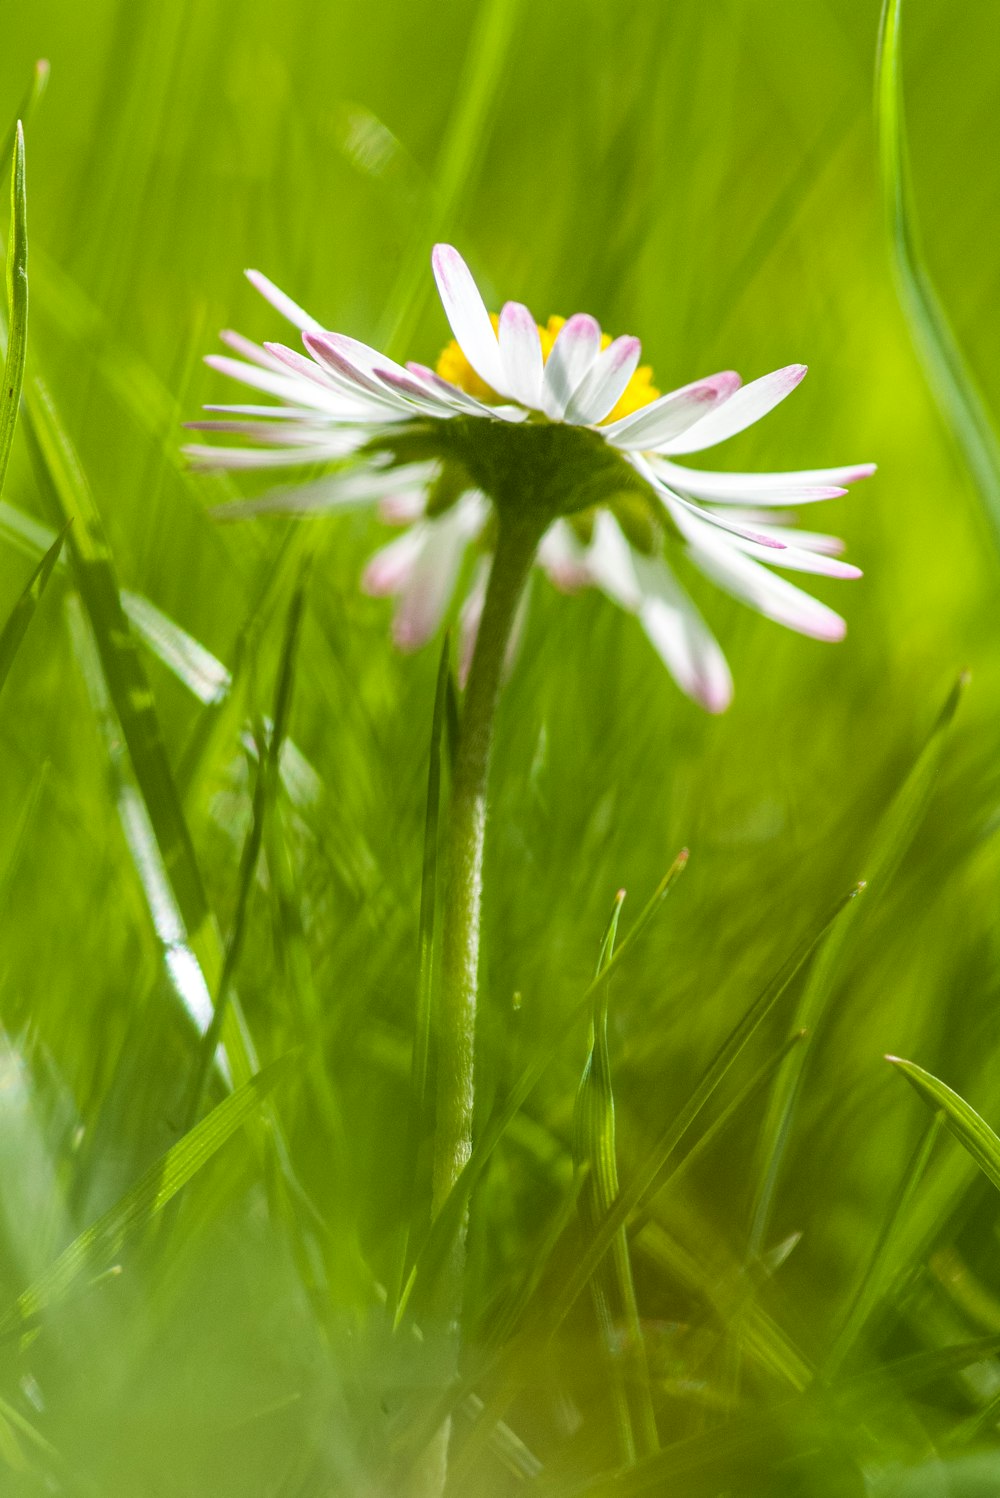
601 390
577 346
391 567
656 424
740 411
772 596
521 352
283 303
763 488
562 558
467 314
681 637
469 618
610 562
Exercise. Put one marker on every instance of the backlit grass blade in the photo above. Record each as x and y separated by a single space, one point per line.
99 1244
17 305
65 486
23 612
893 835
612 1287
971 1131
951 380
269 757
558 1304
879 1270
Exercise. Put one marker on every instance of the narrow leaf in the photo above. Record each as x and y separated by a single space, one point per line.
98 1245
23 612
971 1131
17 306
954 387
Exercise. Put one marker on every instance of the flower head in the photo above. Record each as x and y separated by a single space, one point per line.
559 418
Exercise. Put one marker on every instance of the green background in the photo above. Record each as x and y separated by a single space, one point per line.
707 177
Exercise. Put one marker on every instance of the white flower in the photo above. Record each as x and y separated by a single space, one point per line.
438 440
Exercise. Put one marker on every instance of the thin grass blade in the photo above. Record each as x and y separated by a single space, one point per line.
17 305
951 380
99 1244
893 835
23 611
971 1131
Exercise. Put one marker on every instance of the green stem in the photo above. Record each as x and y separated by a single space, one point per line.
519 533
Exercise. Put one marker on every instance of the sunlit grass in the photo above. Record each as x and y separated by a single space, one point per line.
812 1253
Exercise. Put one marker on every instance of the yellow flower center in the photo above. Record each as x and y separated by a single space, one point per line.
452 365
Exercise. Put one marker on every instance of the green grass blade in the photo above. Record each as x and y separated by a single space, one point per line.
951 380
971 1131
879 1270
265 789
893 835
612 1287
23 612
66 489
98 1245
17 305
435 1248
558 1305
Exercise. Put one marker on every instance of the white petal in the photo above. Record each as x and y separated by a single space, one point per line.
763 488
286 387
563 559
606 383
338 446
577 346
693 522
347 393
831 546
611 562
427 591
389 568
470 616
461 400
521 352
354 363
771 596
681 637
654 425
741 411
467 314
283 303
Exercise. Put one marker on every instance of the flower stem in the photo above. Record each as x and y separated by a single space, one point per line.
518 535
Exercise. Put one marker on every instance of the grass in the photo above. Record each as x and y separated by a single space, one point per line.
189 846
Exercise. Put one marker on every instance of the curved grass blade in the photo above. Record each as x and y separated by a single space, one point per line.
99 1244
554 1311
612 1286
64 484
23 611
893 835
265 789
880 1269
954 387
17 305
971 1131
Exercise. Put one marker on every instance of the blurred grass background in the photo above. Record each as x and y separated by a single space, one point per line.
705 176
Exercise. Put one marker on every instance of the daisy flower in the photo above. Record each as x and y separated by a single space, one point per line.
561 421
